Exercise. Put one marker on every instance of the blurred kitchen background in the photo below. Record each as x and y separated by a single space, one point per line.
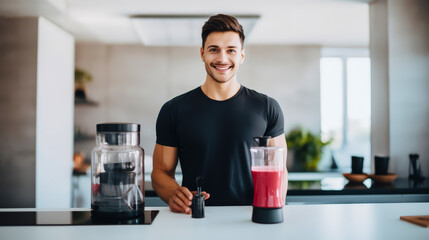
354 74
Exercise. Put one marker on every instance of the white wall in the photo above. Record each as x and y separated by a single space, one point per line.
55 109
409 82
379 54
291 75
131 82
400 92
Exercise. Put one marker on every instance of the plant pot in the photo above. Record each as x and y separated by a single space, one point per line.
80 92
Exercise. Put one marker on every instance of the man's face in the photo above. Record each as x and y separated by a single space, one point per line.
222 54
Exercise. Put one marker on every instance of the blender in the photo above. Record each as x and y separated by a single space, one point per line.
117 171
267 174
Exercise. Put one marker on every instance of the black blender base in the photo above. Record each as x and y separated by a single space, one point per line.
267 215
115 209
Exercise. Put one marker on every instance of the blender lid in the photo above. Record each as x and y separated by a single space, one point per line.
118 127
262 141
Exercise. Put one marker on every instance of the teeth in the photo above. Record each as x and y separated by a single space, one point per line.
222 68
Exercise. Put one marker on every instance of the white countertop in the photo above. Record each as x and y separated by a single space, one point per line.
330 221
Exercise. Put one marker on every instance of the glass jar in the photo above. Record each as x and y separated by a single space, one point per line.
117 171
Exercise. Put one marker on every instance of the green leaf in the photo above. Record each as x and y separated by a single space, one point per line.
81 76
307 146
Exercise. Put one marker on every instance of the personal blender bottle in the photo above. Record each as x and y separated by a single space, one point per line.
267 173
117 171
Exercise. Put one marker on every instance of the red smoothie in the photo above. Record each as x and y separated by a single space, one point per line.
267 185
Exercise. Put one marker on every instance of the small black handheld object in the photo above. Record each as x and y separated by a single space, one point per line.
198 200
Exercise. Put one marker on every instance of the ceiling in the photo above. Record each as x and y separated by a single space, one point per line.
333 23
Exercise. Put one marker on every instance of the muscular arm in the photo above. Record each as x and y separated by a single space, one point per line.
164 183
164 166
280 141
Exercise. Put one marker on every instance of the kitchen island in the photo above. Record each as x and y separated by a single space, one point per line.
329 221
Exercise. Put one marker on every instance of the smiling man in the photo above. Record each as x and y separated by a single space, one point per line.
210 129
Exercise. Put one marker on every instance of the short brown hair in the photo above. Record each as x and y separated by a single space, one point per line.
222 23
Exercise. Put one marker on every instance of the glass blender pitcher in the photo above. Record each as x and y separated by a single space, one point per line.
267 174
117 171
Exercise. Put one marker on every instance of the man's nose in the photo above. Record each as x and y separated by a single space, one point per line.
222 57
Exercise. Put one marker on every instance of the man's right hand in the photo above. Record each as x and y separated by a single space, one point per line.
181 200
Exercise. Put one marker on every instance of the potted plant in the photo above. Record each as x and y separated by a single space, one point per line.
307 148
81 77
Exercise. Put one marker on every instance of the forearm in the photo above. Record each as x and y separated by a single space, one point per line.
164 184
285 184
285 174
280 141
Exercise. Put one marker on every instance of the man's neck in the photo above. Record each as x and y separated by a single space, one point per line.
220 91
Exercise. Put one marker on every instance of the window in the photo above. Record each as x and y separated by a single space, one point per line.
331 85
346 106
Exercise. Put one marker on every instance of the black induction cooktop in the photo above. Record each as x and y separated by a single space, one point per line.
69 218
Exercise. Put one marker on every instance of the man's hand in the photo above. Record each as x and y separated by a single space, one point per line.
178 198
181 200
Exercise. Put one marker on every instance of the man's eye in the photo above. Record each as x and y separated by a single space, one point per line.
212 50
232 51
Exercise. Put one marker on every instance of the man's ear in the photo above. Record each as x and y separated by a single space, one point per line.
243 54
202 53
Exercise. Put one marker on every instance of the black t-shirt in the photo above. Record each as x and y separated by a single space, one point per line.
214 139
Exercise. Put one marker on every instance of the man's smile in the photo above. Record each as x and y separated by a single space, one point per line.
222 68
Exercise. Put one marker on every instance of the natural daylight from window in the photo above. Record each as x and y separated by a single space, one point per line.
346 107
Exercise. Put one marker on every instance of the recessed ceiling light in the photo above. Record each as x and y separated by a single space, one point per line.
178 30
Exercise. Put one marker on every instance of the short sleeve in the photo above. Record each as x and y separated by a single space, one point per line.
275 126
165 127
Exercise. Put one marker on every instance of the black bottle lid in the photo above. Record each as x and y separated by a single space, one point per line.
118 127
263 141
